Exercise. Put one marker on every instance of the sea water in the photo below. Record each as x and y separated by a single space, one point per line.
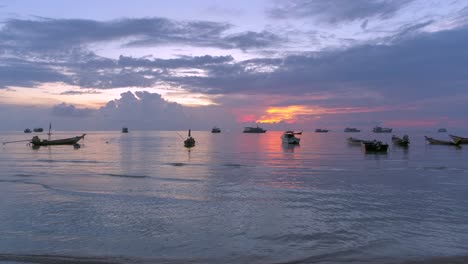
142 197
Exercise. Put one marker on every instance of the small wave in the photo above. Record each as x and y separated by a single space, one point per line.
125 175
176 164
62 259
23 175
297 237
70 161
233 165
51 259
440 260
435 168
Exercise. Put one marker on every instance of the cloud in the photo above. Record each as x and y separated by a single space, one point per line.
149 111
14 72
68 110
52 35
413 66
337 11
73 92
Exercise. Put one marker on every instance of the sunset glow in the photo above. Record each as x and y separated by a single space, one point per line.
293 113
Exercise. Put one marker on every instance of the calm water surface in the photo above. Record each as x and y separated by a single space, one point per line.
142 197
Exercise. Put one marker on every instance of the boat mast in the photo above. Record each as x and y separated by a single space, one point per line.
50 128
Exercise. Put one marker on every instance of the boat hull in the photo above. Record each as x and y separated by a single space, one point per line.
292 141
65 141
382 130
189 142
402 142
462 140
351 130
256 129
374 146
433 141
354 141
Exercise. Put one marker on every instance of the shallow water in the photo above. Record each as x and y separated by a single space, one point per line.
142 197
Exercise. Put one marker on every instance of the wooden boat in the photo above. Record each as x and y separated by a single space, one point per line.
216 130
375 146
40 129
442 142
190 141
320 130
289 137
404 141
355 141
298 133
462 140
378 129
36 141
27 130
351 129
124 129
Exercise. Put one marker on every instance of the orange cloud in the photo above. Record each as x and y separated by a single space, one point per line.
292 113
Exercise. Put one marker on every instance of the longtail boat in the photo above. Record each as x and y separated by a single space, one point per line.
463 140
36 141
442 142
190 141
355 141
375 146
403 142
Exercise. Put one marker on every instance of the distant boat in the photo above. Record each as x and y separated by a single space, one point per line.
375 146
355 141
40 129
378 129
462 140
27 130
124 129
320 130
190 141
289 137
442 142
351 129
404 141
254 130
216 130
442 130
66 141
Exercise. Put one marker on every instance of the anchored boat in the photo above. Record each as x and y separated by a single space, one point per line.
190 141
375 146
289 137
442 142
378 129
36 141
320 130
351 129
404 141
254 130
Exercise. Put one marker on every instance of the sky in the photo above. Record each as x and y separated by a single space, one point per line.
174 65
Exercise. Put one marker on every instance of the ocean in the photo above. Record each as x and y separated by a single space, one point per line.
142 197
